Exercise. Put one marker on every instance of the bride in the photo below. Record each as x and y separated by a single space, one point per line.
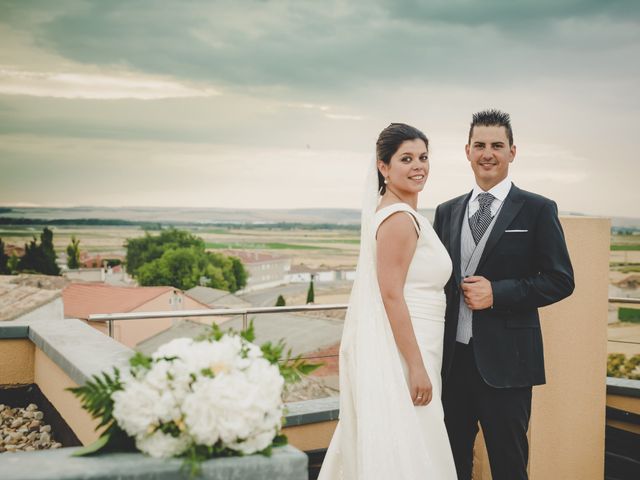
391 419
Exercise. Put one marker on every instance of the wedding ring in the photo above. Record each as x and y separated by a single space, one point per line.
419 396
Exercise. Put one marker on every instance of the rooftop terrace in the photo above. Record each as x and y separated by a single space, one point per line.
571 414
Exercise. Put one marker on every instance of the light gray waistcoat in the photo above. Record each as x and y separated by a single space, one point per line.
470 254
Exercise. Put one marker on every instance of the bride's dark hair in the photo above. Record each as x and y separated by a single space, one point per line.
389 142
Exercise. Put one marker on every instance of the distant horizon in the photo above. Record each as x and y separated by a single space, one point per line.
249 209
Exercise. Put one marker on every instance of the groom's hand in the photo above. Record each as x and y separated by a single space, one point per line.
477 291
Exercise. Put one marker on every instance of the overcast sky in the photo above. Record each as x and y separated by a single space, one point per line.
277 104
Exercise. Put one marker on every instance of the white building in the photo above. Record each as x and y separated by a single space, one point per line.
304 274
265 269
109 275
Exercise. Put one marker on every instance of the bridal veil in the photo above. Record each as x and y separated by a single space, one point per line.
378 435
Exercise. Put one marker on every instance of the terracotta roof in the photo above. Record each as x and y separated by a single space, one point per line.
81 300
89 260
10 249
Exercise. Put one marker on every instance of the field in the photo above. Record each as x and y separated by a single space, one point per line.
315 248
625 253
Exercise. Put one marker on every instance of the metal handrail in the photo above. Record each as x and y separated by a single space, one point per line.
245 312
634 301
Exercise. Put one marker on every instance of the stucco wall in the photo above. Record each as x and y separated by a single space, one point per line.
132 332
53 382
16 361
568 413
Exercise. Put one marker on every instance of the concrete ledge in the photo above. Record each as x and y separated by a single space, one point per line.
78 349
312 411
623 386
286 463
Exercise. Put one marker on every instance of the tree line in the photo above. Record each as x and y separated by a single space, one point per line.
173 258
39 257
178 258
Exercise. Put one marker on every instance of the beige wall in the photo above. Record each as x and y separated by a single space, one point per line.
313 436
568 413
132 332
53 381
21 362
16 361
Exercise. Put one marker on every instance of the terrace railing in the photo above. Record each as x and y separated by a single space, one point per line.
109 318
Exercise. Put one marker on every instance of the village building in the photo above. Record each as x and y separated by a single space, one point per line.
304 274
264 269
82 300
31 297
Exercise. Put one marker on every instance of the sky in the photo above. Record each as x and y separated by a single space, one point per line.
278 103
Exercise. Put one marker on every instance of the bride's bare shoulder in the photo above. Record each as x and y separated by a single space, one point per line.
396 223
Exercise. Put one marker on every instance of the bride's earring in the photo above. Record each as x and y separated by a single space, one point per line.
386 180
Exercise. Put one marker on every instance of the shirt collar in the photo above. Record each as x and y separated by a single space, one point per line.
500 191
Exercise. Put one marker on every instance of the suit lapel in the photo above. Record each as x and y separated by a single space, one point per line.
457 213
512 205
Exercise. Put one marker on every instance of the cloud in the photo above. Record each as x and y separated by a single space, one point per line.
339 116
14 81
175 173
295 48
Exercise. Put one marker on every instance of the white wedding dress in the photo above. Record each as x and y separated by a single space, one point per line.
381 435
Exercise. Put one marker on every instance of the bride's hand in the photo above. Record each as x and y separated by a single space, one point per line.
420 386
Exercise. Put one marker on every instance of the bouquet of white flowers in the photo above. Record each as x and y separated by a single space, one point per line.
215 396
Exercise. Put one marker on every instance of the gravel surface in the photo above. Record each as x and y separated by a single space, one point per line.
23 429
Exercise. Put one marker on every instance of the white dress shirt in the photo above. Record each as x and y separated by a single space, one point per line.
499 191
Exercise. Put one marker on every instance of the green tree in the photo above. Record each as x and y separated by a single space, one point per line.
280 301
179 259
73 253
239 272
151 247
177 267
4 260
40 258
310 293
13 263
618 365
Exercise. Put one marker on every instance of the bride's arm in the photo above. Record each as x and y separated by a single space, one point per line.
396 244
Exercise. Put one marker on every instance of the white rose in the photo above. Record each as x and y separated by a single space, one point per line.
240 405
134 407
200 418
255 443
174 348
162 445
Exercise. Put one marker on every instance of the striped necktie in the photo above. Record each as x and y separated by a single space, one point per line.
480 220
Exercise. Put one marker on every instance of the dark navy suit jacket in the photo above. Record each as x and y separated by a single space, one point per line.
528 267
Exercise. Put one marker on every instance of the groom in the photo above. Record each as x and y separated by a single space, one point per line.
509 258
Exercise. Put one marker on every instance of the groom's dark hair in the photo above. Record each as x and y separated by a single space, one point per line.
492 118
389 142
